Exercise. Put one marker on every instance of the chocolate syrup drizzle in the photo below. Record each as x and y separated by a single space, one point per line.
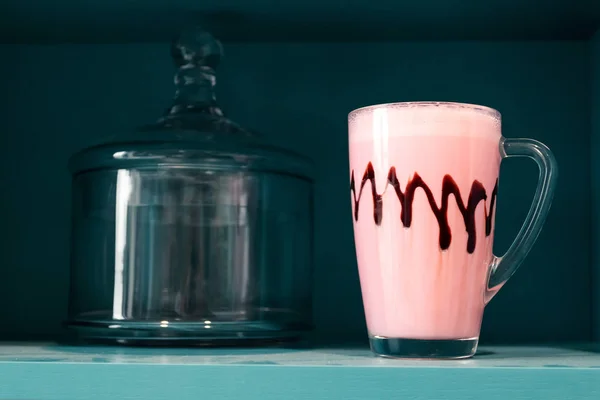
406 198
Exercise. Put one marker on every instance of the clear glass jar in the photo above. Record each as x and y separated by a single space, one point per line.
191 229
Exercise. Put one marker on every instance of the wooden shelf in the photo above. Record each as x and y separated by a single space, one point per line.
62 372
301 20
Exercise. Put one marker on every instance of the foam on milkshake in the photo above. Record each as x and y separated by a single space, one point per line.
423 119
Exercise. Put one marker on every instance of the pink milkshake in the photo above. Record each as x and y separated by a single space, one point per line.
424 181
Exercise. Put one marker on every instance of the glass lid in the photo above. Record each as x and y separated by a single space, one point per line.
193 132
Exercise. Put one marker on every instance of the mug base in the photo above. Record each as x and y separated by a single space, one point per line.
423 348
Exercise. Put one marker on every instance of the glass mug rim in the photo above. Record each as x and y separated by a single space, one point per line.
492 112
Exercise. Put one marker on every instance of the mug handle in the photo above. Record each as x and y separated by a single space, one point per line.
502 268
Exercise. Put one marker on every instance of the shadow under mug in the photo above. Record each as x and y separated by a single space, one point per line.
424 181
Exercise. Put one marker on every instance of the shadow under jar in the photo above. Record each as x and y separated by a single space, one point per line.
191 230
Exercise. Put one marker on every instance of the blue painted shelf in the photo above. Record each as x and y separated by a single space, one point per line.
48 371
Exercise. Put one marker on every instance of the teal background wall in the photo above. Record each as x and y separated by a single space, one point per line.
595 148
115 21
57 99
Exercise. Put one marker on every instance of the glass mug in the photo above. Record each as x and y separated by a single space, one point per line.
424 180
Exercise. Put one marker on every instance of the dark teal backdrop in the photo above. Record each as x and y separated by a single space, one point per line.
595 148
57 99
117 21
